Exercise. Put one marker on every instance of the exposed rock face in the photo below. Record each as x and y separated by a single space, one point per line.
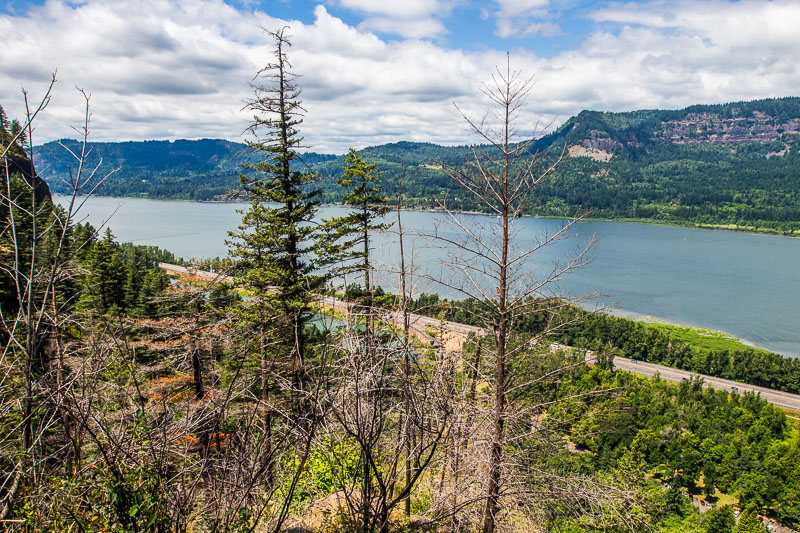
24 166
786 150
601 141
712 128
579 150
599 146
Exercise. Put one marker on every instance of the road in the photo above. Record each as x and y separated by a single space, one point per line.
181 272
456 334
781 399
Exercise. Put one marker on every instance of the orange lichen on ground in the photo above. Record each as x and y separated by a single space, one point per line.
216 441
169 388
190 441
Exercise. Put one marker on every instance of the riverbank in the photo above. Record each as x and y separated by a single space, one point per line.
745 285
757 230
704 338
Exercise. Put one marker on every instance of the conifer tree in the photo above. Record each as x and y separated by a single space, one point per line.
275 244
3 124
749 523
350 234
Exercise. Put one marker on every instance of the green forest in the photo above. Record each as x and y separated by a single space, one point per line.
709 174
275 398
661 344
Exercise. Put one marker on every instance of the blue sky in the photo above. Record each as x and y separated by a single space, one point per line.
377 71
468 25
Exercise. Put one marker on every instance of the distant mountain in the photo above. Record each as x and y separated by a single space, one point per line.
731 165
202 169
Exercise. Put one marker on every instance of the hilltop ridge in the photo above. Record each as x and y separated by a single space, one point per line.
732 165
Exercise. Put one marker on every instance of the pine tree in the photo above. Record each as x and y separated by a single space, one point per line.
275 244
749 523
349 236
107 274
16 130
3 124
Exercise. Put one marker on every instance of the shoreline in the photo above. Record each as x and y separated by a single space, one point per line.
678 224
700 330
781 347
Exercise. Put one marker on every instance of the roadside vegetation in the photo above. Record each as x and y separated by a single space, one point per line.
130 401
701 351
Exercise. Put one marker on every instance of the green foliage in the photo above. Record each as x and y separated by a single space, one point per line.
749 523
331 466
12 136
666 345
276 240
276 248
673 347
122 278
650 176
719 520
348 237
136 499
105 288
678 431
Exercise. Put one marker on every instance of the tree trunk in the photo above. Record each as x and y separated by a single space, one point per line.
406 352
496 458
197 369
265 405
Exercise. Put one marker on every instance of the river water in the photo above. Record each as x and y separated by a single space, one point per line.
743 284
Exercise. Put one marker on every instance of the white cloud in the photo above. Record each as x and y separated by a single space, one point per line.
517 17
511 8
407 28
400 8
181 69
412 19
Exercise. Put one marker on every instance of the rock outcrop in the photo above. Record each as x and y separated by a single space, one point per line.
24 166
712 128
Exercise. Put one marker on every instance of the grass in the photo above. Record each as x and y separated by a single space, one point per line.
704 339
752 229
718 498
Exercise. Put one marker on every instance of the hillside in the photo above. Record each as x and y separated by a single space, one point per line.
204 169
731 165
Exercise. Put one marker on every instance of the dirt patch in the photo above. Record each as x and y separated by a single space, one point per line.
594 153
782 153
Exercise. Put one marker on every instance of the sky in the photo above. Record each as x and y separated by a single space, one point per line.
379 71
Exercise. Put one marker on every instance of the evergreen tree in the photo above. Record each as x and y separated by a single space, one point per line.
17 131
3 125
349 236
275 245
106 281
748 523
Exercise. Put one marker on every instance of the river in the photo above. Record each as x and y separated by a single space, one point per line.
745 285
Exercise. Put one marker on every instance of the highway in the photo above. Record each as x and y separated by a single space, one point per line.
456 333
781 399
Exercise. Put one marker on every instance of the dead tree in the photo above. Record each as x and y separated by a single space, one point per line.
404 310
37 257
367 398
492 266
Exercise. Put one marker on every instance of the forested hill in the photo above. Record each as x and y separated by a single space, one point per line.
204 169
735 165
